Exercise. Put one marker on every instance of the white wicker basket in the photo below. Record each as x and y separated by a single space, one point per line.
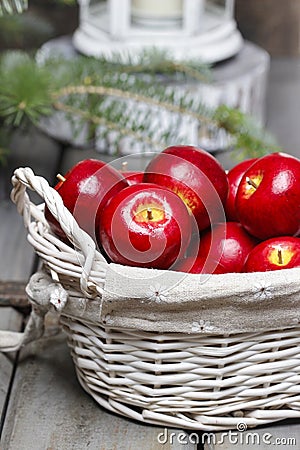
200 353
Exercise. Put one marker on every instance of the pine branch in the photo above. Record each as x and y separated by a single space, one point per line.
250 140
111 126
139 98
119 97
24 90
154 61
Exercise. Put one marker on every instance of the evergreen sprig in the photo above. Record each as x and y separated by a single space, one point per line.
121 98
250 139
25 90
154 62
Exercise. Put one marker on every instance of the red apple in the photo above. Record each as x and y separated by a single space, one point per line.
193 248
199 265
132 177
85 189
268 197
234 177
228 244
273 254
145 225
196 177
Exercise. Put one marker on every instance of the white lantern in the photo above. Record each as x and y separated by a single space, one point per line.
202 29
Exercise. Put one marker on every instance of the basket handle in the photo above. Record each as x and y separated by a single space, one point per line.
44 295
23 178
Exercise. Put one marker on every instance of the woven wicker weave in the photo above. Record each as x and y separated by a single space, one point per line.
131 360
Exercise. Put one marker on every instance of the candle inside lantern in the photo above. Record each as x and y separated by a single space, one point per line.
157 10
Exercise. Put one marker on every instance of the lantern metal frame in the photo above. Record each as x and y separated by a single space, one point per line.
209 34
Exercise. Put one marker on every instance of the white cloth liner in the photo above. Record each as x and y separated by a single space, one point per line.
166 301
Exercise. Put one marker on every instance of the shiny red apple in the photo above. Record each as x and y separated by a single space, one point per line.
145 225
196 177
268 197
234 176
227 243
133 177
85 189
274 254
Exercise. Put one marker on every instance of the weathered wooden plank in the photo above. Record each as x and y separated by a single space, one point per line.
15 264
12 293
16 253
48 407
9 320
284 435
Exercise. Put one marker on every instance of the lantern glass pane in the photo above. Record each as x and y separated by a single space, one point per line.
94 7
92 11
216 6
156 13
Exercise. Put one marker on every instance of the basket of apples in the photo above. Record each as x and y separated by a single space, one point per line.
178 287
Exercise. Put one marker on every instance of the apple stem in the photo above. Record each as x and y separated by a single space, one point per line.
251 182
149 214
60 177
124 166
279 253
